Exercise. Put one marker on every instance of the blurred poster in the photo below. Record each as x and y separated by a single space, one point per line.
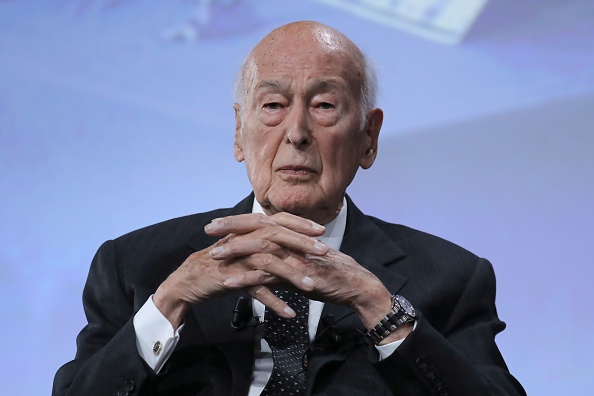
445 21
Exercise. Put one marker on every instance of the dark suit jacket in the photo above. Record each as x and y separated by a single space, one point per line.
452 350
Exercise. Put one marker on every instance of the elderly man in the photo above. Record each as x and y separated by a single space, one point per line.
321 298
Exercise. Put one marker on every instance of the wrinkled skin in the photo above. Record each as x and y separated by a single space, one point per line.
299 131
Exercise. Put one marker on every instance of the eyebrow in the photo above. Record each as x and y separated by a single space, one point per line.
328 84
269 86
317 85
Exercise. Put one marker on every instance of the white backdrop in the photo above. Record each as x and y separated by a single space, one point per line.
118 114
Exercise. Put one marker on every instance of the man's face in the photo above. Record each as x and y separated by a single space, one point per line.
300 133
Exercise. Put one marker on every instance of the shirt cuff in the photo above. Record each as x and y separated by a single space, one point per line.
387 350
155 337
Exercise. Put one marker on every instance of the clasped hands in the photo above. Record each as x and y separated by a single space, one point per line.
257 252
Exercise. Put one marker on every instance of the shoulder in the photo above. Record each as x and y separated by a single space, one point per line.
418 250
180 228
421 242
433 259
140 260
410 241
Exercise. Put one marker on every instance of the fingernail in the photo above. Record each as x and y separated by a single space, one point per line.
307 281
318 227
216 251
290 312
212 226
230 281
320 247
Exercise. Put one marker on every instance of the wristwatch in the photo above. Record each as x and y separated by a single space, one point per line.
402 312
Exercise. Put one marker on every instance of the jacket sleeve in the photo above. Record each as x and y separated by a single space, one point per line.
107 361
459 358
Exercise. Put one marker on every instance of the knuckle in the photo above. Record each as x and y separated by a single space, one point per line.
258 291
263 221
262 218
265 277
266 260
268 233
275 230
263 245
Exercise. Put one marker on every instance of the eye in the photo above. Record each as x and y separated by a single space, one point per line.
272 106
326 106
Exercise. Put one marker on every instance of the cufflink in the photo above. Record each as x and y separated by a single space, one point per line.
157 346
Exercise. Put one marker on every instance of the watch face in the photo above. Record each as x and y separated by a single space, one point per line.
408 308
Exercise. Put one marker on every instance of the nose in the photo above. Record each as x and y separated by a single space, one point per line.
299 126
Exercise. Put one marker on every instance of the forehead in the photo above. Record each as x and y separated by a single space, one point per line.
319 60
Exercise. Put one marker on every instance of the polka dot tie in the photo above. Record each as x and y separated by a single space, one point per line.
288 340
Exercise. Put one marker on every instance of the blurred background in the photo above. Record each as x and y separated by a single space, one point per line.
118 114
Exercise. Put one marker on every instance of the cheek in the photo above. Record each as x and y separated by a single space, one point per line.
341 155
258 161
260 153
340 149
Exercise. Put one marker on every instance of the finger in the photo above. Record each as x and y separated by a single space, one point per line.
245 223
274 240
238 224
269 299
298 224
250 279
236 246
268 269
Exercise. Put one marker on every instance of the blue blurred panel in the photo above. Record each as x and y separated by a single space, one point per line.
118 114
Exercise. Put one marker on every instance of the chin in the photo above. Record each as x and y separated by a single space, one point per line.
297 201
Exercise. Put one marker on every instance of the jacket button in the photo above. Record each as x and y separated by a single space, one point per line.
129 385
421 363
437 381
443 391
123 392
428 373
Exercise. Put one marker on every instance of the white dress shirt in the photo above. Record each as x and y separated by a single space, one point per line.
156 339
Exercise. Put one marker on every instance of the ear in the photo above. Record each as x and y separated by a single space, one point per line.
238 143
375 118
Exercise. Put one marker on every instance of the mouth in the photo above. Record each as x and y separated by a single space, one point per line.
296 170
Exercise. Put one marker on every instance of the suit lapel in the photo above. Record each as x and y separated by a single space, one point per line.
369 246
